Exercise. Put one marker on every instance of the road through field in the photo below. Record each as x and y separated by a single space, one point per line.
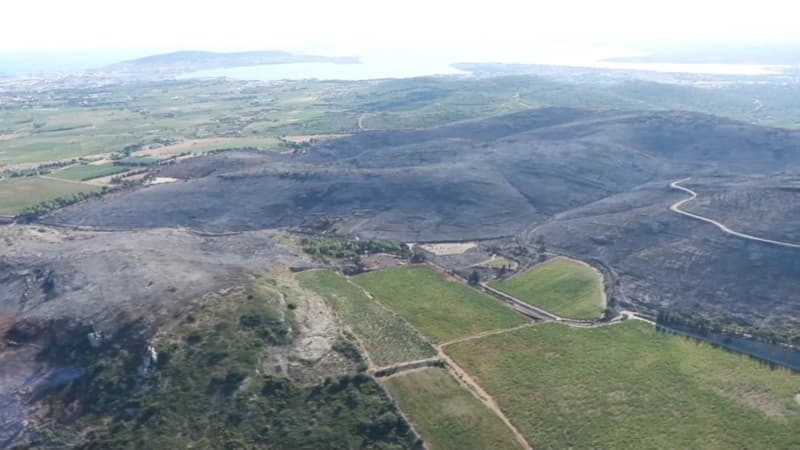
676 207
473 386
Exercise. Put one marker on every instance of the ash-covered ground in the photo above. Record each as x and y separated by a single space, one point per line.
593 184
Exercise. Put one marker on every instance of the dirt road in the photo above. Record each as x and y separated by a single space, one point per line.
676 207
475 388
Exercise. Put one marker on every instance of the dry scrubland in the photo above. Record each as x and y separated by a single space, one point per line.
387 337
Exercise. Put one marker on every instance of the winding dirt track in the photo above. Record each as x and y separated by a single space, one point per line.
676 207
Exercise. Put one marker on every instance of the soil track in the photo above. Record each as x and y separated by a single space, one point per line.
676 207
475 388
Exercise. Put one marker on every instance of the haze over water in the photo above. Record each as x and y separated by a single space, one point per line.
407 65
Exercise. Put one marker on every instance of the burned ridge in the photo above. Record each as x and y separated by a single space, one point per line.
594 184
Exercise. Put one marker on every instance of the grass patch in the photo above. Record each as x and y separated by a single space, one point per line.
388 338
446 414
442 310
19 194
85 172
563 287
629 386
499 262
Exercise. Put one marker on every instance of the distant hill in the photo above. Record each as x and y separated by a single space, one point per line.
176 63
787 54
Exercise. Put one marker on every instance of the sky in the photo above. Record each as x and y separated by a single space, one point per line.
499 30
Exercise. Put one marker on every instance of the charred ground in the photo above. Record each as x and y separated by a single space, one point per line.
594 184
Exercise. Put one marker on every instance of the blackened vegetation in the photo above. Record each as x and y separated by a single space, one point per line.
596 184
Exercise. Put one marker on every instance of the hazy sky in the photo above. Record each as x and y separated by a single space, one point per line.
479 29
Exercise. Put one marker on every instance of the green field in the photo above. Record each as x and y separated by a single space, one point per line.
442 310
629 386
446 414
563 287
387 337
84 172
17 194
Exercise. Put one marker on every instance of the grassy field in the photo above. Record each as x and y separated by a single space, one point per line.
84 172
628 386
16 194
442 310
209 144
387 337
446 414
561 286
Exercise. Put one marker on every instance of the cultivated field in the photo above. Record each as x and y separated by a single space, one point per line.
387 337
561 286
442 310
628 386
17 194
207 144
446 414
84 172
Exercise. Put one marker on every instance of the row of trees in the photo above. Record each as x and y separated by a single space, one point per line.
42 169
347 249
34 212
703 326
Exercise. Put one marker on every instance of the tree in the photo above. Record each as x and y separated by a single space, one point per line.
417 257
474 277
540 247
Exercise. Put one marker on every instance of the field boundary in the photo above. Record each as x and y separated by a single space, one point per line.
402 368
